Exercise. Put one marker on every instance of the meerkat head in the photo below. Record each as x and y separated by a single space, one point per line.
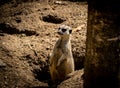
64 30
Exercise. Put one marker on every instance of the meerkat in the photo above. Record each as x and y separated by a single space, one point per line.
61 60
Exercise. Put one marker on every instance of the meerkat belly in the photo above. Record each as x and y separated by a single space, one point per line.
65 67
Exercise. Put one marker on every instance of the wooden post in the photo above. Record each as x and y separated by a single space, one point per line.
102 65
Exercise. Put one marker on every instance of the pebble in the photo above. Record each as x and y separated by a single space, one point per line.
2 64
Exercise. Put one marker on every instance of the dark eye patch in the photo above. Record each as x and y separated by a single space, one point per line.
63 30
59 28
70 31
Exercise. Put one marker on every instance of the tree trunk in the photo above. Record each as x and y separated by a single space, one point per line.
102 65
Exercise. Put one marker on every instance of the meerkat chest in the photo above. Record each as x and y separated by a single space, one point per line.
63 48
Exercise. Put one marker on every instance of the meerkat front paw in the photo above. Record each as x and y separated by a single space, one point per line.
61 60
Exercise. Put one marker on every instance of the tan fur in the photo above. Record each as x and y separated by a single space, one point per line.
61 60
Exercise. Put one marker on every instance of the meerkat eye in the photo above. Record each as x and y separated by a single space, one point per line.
63 30
59 28
70 31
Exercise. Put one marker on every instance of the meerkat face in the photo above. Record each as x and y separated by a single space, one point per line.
64 30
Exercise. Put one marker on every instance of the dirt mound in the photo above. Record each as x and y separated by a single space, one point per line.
75 81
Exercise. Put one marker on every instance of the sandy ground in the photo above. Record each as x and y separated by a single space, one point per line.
27 37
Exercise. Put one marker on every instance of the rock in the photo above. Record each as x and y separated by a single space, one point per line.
60 2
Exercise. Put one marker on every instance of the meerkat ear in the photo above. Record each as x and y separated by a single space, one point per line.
70 31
